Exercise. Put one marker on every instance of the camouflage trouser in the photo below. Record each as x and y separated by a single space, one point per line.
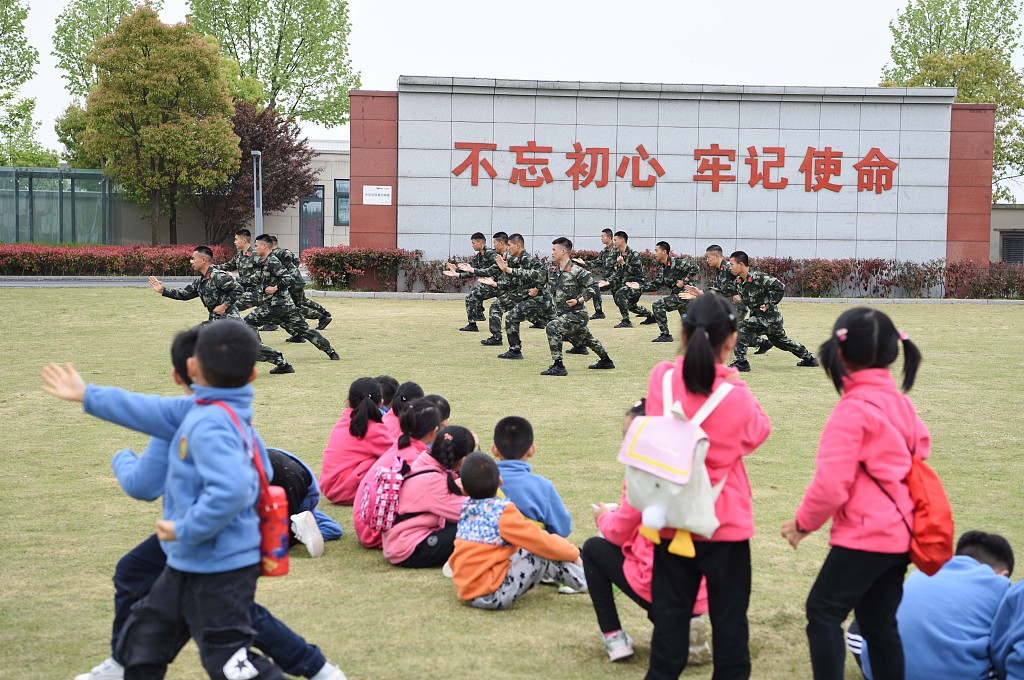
267 353
572 326
768 324
596 298
533 309
503 305
308 308
626 300
475 300
289 318
667 304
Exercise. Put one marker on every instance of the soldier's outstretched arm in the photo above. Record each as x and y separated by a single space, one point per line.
156 284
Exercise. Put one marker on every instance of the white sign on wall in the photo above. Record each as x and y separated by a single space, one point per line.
376 195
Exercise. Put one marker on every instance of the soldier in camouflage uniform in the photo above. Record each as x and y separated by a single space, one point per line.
569 286
629 268
483 259
600 266
761 294
673 273
306 307
510 291
723 282
276 305
220 294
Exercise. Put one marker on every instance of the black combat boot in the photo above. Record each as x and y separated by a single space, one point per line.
556 369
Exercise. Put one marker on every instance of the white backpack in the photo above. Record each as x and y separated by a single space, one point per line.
666 478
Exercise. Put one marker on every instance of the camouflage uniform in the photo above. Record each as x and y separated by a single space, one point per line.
535 309
631 270
676 269
479 292
510 291
278 307
602 265
308 308
243 263
724 283
757 289
216 288
567 323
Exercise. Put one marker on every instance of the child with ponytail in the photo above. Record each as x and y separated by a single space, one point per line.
429 503
356 442
406 393
735 428
860 483
420 422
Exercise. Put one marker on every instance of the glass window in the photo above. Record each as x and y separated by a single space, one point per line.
342 189
1013 247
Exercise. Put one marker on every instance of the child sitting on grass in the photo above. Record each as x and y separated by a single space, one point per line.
499 554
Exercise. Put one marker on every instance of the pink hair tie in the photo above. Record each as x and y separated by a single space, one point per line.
448 436
841 334
903 336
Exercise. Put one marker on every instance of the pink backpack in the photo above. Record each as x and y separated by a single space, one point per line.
378 505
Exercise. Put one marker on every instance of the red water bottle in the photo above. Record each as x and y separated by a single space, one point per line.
273 512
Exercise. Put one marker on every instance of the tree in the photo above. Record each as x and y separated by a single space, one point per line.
70 128
985 77
298 50
18 144
287 172
78 27
950 27
158 115
18 59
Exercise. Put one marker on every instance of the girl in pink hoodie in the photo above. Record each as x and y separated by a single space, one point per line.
356 442
735 428
860 483
406 393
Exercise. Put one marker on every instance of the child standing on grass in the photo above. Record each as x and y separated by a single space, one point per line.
500 554
358 439
735 428
860 483
429 503
210 528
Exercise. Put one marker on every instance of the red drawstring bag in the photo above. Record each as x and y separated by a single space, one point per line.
272 508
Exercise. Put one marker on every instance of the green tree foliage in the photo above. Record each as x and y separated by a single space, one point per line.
78 27
70 127
298 50
18 59
18 144
159 114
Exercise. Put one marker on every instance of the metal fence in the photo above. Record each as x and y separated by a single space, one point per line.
57 205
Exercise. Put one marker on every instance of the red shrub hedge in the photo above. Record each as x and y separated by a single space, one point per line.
28 259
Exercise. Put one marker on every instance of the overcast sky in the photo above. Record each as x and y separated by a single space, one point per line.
743 42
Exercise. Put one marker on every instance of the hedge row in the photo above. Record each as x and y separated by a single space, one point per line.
42 260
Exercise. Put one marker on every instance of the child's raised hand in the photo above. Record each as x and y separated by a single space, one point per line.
63 382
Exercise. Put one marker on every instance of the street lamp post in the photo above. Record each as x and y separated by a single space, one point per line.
257 190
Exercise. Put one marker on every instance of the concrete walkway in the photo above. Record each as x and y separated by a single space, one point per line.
179 281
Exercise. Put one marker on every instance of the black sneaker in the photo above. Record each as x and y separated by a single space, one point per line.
283 368
764 346
269 327
471 326
664 337
479 318
597 315
625 323
741 366
333 356
511 354
324 322
537 324
556 369
603 363
809 361
649 320
491 341
577 350
296 338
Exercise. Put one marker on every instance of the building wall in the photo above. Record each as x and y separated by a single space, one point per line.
1005 218
374 139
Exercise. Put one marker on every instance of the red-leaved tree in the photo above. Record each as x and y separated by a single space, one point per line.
287 172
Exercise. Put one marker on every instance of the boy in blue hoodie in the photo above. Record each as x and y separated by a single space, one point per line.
210 528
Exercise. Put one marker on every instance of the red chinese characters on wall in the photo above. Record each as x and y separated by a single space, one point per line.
588 166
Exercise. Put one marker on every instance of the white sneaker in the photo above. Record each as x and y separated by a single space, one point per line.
108 670
329 672
569 590
446 570
700 650
306 530
619 645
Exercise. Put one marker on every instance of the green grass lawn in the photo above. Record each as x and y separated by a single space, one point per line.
65 522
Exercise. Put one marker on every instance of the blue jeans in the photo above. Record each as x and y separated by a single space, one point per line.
138 570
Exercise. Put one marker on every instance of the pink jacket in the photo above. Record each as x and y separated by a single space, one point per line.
371 538
391 422
736 427
428 494
620 527
346 458
875 424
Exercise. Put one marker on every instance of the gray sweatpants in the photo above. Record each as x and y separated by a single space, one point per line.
526 571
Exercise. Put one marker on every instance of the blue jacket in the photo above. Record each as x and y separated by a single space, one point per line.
1007 646
535 496
329 528
211 485
945 621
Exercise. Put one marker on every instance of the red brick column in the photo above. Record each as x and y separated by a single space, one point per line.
374 137
969 220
